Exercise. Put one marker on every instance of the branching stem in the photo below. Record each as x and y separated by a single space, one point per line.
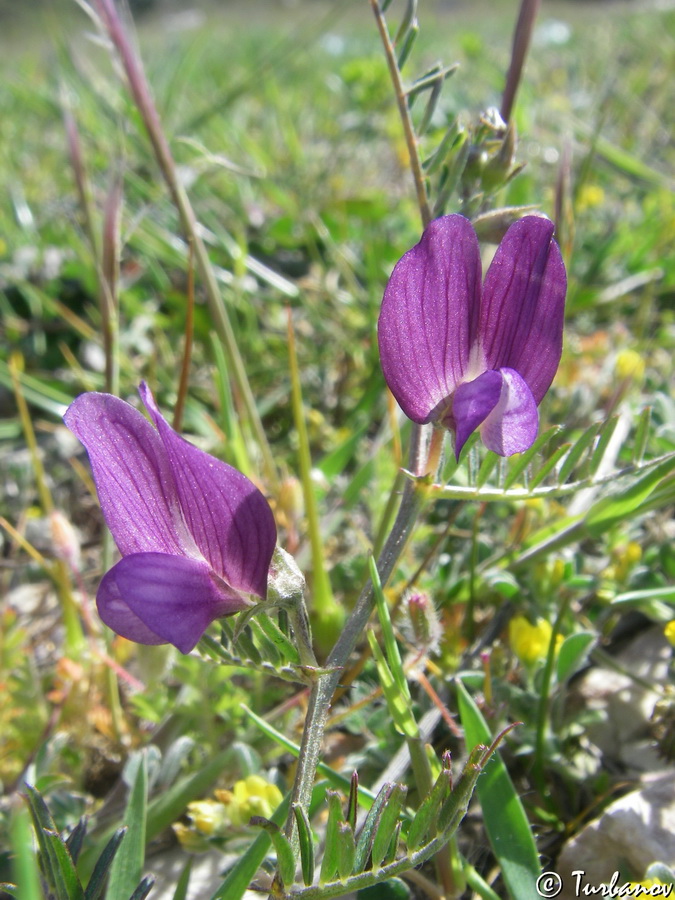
404 112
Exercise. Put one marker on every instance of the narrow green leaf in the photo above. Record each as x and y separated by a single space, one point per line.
576 451
282 846
390 644
605 436
364 843
623 503
127 868
432 78
642 435
353 802
432 163
454 809
477 883
505 821
519 462
183 883
57 865
486 468
398 704
25 870
268 648
75 839
392 851
67 882
628 163
306 841
329 862
386 827
407 21
346 850
246 646
635 597
456 165
572 654
548 466
408 44
99 876
143 888
425 820
284 645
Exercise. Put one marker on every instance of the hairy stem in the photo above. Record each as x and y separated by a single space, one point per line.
404 112
326 683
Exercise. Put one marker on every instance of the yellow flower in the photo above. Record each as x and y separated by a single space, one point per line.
629 364
530 642
590 196
190 840
252 796
207 816
669 632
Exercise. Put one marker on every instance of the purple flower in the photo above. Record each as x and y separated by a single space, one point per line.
467 355
196 536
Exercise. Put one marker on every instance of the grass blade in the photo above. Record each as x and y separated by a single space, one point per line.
505 820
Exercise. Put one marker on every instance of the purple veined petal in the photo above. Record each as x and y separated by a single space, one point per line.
228 517
522 312
133 477
512 425
429 317
472 404
156 598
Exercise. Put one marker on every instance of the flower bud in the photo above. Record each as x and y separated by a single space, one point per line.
426 628
64 539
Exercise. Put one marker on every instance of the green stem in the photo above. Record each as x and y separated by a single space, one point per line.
404 112
325 684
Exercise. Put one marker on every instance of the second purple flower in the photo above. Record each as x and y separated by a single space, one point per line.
196 536
468 355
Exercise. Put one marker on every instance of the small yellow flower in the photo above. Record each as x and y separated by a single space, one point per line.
252 796
669 632
530 642
629 364
189 839
624 558
590 196
207 816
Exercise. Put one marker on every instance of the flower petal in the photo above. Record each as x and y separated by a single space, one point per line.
472 404
228 517
133 477
521 318
512 425
155 598
429 317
